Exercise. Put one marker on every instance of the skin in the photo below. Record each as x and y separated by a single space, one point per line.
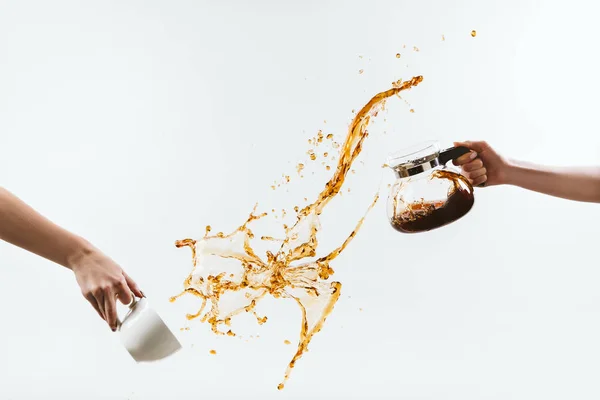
485 166
101 280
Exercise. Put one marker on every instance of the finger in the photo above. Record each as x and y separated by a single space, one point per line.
473 165
124 293
479 180
465 158
99 297
477 173
90 297
110 310
133 286
463 144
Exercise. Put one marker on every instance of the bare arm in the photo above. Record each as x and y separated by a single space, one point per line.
572 183
22 226
100 278
490 168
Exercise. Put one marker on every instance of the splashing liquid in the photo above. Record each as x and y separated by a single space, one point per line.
285 273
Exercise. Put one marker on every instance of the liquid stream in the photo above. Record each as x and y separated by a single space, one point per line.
289 272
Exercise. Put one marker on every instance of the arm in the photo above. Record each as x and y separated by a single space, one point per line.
572 183
100 278
489 167
25 228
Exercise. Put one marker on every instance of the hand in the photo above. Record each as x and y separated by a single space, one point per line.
483 166
102 281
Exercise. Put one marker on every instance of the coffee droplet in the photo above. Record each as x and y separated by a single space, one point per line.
360 71
213 352
473 33
296 268
397 55
287 342
320 137
412 111
443 38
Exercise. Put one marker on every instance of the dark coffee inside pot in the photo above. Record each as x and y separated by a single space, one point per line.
427 215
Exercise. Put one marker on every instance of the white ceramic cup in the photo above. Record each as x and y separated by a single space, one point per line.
144 334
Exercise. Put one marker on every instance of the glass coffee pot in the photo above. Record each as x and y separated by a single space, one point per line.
427 193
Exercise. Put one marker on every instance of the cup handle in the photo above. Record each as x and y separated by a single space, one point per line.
129 307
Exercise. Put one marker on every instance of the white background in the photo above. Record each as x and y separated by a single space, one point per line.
136 123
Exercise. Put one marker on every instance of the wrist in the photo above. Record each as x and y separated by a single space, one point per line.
510 172
77 256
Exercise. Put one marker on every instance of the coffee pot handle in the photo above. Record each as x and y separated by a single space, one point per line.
452 153
129 309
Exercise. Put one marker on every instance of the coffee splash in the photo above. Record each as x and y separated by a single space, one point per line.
287 272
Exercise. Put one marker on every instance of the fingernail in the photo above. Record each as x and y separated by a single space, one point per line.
473 155
143 295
